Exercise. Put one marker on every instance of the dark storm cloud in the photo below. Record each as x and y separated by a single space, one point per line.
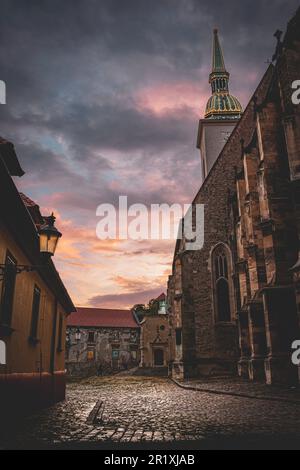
115 125
75 64
73 68
103 96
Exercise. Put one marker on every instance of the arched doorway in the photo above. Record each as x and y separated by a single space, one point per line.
158 357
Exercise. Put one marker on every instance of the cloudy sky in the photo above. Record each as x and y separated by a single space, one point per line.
103 99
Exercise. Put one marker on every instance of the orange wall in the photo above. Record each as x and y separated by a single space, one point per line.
23 357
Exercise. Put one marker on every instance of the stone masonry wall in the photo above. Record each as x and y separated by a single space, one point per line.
113 349
209 347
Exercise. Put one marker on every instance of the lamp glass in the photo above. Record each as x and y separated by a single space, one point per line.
49 237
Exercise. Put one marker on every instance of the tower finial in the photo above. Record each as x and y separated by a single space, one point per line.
221 105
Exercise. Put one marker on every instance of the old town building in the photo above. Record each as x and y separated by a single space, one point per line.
101 341
155 342
234 305
34 303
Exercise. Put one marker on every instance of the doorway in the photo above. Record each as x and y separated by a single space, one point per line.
158 357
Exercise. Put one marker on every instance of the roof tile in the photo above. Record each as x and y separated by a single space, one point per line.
100 317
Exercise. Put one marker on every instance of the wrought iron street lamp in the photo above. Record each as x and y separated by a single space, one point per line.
48 239
49 236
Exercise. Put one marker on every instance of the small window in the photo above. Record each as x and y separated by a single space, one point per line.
115 354
91 355
178 337
35 312
8 290
60 333
134 355
91 337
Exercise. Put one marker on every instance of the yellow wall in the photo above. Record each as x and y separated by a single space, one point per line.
23 357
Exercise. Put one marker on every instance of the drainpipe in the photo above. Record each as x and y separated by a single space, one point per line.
53 349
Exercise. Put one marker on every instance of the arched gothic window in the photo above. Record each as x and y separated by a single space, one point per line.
222 283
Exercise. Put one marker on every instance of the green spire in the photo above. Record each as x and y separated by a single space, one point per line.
218 64
219 77
221 105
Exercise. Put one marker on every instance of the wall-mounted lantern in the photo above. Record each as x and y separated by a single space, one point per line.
49 236
48 239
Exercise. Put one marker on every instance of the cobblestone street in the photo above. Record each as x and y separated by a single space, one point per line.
139 410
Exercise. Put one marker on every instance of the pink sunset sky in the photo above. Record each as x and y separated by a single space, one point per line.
104 100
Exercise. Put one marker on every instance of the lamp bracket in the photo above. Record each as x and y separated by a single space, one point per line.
19 268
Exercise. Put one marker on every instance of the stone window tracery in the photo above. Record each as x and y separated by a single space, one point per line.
222 283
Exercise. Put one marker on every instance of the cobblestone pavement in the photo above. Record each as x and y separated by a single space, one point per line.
151 410
240 387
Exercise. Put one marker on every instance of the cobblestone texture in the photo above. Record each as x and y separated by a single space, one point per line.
238 386
143 410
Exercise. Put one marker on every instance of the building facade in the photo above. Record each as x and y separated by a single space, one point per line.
154 344
101 341
33 305
174 302
236 301
155 336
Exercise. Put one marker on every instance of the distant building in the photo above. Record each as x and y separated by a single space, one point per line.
154 345
101 341
154 341
33 305
162 304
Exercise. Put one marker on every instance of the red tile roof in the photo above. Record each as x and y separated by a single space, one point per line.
33 209
100 317
161 297
27 201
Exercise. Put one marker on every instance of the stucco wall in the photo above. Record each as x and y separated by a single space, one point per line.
23 356
30 379
154 335
214 137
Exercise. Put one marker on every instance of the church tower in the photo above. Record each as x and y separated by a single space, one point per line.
223 111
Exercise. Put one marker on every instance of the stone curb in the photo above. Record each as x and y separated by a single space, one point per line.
234 394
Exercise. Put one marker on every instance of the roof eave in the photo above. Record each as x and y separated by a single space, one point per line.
22 228
9 157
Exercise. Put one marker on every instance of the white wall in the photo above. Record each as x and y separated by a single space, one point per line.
2 353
